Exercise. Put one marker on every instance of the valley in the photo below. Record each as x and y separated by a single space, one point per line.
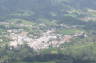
47 31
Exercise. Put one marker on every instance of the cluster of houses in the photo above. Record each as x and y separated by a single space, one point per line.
49 38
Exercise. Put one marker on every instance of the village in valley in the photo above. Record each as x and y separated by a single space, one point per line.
47 31
39 39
